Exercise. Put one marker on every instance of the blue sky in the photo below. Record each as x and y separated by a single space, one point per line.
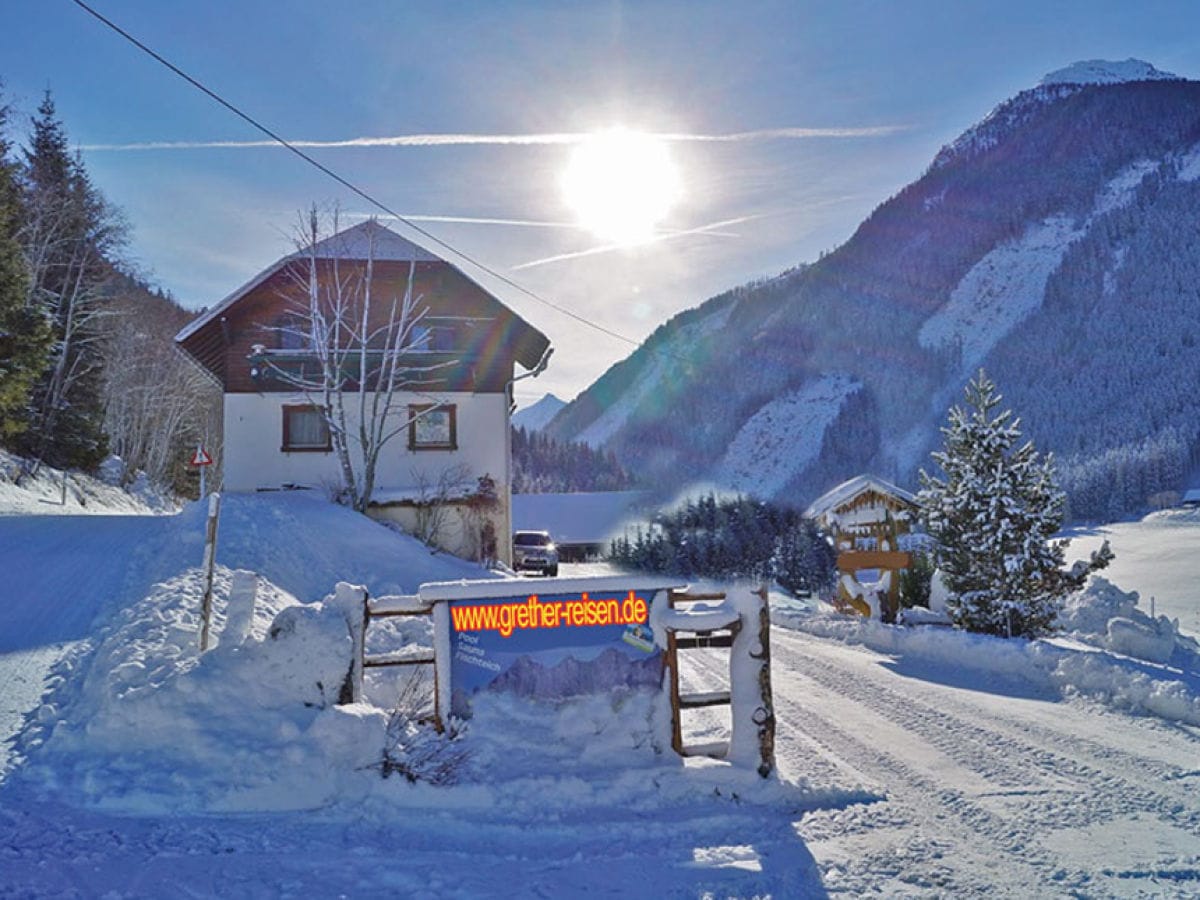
902 78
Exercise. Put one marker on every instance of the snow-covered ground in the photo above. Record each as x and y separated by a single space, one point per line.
913 762
1156 556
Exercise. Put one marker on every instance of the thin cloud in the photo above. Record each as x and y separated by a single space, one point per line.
709 229
553 138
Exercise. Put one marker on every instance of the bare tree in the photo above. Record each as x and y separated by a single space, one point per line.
361 349
157 405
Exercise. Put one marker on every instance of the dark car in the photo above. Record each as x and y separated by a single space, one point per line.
535 550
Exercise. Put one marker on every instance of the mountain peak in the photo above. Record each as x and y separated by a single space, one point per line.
536 416
1103 71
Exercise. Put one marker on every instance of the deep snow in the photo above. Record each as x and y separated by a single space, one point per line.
913 761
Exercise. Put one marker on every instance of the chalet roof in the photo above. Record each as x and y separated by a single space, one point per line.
847 491
370 239
355 243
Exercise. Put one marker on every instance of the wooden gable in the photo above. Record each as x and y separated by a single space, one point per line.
486 337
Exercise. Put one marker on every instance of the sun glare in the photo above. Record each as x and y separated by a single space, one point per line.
621 185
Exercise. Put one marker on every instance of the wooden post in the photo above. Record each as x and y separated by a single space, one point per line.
360 650
764 716
63 501
673 663
210 559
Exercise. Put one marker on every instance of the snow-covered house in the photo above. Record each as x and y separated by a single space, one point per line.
870 520
454 424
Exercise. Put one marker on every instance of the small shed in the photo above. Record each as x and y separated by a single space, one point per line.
1191 498
869 519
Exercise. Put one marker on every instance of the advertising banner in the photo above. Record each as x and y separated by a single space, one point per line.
551 646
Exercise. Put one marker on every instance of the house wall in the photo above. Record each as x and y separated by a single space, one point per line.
254 458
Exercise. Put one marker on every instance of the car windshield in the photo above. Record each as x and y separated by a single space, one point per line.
531 539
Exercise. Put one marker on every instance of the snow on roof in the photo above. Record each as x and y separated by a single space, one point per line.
357 242
585 518
848 490
1103 71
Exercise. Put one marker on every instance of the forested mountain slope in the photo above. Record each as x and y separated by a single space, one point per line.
1056 243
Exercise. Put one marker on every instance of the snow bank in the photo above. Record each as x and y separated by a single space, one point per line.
1112 653
42 494
1105 616
152 726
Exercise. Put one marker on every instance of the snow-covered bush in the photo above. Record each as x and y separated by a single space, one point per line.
414 748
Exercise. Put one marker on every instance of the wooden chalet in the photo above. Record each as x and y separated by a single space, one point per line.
869 519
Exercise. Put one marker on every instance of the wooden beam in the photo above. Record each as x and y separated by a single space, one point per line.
699 700
853 560
698 643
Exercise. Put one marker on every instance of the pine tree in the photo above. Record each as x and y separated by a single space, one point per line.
68 236
24 333
992 517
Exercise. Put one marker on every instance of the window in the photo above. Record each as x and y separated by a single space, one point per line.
304 429
292 331
432 427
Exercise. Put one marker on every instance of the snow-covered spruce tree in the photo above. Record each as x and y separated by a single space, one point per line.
992 516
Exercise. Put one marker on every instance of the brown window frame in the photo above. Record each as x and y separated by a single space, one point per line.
286 445
417 409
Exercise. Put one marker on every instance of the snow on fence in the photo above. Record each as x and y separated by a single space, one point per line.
742 624
498 635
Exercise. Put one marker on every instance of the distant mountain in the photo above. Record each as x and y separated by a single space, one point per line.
569 677
1056 243
536 416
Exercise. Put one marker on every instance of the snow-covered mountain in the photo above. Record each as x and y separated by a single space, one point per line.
537 415
1102 71
1056 243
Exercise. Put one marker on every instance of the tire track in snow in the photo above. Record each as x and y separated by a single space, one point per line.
934 811
969 738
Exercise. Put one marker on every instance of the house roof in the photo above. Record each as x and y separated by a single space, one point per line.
372 240
352 243
847 491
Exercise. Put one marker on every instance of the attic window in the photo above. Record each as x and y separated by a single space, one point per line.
432 427
305 430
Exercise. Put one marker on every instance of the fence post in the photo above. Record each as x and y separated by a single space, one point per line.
764 715
210 559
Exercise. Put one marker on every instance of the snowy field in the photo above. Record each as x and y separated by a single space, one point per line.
912 762
1156 557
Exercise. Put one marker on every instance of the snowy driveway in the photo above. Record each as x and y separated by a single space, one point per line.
990 789
58 572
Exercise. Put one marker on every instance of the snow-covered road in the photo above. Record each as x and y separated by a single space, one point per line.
989 788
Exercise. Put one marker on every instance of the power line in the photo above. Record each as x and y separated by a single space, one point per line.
350 186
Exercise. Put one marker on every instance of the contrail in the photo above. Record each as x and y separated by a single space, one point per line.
473 220
661 236
552 138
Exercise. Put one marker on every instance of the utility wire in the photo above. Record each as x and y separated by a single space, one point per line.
350 186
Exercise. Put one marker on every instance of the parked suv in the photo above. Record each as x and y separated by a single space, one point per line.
535 550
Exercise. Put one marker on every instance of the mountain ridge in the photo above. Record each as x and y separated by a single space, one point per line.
1064 186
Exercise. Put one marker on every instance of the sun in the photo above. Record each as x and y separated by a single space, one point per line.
621 185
